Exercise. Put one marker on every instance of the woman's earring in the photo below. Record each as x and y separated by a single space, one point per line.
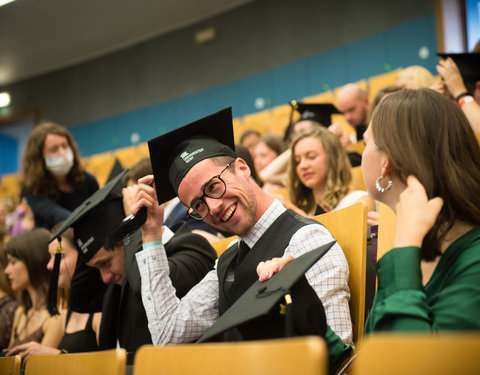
383 189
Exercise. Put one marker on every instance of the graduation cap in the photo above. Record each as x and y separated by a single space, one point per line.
258 313
173 154
92 221
116 169
318 112
468 64
95 219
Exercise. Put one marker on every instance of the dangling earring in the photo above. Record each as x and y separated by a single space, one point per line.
383 189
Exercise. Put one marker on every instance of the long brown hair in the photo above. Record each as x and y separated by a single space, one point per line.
31 248
34 176
428 136
338 175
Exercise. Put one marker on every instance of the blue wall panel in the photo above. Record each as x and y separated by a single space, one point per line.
8 154
393 48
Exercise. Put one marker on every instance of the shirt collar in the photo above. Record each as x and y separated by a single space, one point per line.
265 221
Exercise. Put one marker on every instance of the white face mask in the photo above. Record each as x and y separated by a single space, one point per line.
60 165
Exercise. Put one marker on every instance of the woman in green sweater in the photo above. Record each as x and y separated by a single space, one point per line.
423 161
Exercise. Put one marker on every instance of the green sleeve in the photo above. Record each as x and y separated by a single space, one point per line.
337 350
401 303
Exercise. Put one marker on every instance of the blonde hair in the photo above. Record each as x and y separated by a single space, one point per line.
420 76
338 178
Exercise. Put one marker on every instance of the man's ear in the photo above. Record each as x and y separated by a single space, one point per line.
242 167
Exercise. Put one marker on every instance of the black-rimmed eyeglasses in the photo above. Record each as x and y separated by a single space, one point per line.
214 188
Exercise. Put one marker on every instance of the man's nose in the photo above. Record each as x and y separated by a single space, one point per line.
106 276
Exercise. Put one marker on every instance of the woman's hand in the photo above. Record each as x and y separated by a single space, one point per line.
451 76
416 214
31 348
265 270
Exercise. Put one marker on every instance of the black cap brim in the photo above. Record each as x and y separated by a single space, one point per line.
468 64
218 126
114 186
262 297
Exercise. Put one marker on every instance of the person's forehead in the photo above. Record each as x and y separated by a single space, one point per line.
308 144
196 177
101 255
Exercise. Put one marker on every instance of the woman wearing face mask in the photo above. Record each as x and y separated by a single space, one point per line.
52 178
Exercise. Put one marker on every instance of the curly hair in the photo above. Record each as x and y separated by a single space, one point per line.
426 135
34 176
338 178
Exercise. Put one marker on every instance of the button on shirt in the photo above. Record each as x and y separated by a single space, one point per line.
174 321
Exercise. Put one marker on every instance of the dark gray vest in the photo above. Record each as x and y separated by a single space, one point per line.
272 244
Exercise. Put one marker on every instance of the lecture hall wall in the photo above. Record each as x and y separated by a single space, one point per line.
265 54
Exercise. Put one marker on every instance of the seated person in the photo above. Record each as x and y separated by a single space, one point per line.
249 139
319 174
81 330
207 175
124 320
266 150
27 255
52 178
422 160
8 303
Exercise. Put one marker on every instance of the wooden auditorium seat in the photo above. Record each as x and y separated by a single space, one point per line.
349 228
418 354
10 365
300 355
107 362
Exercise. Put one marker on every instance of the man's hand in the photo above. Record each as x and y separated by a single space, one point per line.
146 196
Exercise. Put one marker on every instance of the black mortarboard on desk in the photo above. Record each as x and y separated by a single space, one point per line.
468 64
258 309
173 154
92 222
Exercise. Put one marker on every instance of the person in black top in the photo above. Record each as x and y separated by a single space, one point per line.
80 330
52 178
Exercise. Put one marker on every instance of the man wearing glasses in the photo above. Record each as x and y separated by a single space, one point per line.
216 186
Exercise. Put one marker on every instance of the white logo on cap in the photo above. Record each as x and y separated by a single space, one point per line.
84 246
188 157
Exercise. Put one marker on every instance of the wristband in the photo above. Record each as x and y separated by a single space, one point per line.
462 95
465 100
151 244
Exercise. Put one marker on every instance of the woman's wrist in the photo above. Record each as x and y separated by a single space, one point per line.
462 95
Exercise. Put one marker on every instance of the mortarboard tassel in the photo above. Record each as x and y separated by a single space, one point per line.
288 130
53 287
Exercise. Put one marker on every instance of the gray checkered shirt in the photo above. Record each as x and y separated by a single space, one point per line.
174 321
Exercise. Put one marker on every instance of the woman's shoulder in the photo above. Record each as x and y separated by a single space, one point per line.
350 199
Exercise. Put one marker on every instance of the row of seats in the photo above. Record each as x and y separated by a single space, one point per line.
273 120
413 354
